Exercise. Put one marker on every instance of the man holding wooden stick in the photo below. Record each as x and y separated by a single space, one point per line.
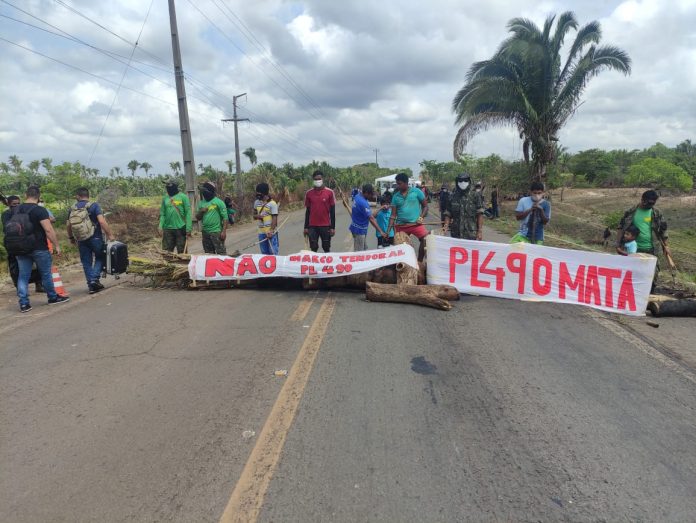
650 223
266 212
409 209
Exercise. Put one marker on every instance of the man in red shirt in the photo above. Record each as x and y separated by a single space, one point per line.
320 214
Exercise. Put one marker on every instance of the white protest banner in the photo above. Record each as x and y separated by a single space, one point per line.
300 265
523 271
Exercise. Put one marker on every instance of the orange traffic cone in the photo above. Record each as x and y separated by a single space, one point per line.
58 282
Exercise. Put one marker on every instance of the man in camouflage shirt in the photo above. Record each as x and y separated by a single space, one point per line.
650 223
464 211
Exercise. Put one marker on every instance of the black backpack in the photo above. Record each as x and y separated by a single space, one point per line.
19 234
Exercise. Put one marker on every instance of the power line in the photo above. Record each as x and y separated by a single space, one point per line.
118 89
109 54
281 131
299 104
268 57
83 71
189 76
245 54
294 142
82 15
72 38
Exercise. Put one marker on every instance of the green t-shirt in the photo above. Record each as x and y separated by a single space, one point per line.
217 215
408 208
175 212
643 220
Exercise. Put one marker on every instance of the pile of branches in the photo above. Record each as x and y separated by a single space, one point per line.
161 268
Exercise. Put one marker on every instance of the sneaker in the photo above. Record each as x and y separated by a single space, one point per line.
25 308
58 299
95 287
98 286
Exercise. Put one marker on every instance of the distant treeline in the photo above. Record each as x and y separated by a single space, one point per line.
657 166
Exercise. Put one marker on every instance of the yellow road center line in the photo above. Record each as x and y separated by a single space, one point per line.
248 494
303 308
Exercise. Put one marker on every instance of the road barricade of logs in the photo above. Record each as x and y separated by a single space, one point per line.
398 283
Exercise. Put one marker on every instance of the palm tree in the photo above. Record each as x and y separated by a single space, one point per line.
230 166
133 166
145 167
115 171
47 164
175 167
16 163
527 85
250 153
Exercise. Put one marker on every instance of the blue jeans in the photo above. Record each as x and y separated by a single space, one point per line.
43 262
92 257
271 246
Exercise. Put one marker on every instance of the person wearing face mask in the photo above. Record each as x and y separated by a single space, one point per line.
212 213
464 211
320 214
266 212
533 212
650 223
175 219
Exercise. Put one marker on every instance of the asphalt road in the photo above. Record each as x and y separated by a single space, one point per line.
162 405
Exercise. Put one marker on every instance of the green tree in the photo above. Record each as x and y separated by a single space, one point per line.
175 167
250 153
595 165
146 167
527 85
658 173
133 166
16 164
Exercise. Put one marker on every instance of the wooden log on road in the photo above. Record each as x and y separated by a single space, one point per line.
683 308
353 281
415 294
446 292
406 275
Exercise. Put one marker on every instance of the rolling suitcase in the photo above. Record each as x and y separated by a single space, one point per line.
116 258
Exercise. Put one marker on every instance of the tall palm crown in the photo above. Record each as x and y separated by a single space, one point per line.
526 84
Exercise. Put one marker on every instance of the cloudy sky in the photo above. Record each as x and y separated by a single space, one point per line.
326 79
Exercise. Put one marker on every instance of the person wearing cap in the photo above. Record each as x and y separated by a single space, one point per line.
464 211
212 213
175 219
266 212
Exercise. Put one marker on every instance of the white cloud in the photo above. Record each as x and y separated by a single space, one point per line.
370 74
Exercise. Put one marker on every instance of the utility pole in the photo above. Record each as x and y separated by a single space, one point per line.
237 161
376 151
184 125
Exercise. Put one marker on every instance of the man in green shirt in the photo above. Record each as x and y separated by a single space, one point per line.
212 213
175 219
650 224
